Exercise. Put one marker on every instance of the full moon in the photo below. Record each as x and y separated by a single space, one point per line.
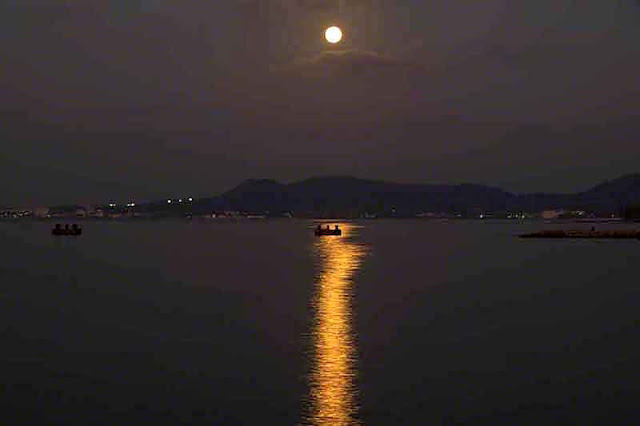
333 35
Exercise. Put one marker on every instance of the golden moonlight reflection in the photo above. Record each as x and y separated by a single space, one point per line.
334 370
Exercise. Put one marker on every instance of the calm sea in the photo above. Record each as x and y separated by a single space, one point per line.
261 323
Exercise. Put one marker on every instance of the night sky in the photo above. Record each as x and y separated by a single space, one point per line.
142 99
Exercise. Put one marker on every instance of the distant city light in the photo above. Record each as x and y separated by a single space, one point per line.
131 204
169 201
112 204
190 199
180 200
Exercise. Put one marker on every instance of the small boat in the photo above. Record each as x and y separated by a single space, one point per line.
320 232
74 230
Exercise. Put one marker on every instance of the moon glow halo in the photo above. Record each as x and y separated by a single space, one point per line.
333 35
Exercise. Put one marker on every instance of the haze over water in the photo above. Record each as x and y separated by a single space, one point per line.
396 322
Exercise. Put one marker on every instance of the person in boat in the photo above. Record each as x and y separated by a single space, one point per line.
57 228
319 228
74 228
335 228
328 227
66 228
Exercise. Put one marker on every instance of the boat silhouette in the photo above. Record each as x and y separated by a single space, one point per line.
319 232
74 230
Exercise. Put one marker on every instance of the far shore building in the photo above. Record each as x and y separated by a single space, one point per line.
41 212
552 214
96 213
15 212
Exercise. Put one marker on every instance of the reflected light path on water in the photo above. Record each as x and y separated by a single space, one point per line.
332 378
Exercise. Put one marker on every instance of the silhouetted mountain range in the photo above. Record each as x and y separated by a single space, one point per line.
344 195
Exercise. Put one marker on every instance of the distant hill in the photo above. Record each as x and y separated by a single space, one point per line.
349 196
612 195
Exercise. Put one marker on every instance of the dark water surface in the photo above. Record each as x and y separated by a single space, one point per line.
396 322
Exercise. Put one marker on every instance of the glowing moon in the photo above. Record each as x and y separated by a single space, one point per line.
333 35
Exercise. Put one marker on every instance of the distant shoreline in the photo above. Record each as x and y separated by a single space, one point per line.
241 219
353 198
